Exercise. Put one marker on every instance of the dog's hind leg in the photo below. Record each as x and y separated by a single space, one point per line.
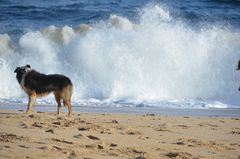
58 100
68 103
31 100
66 96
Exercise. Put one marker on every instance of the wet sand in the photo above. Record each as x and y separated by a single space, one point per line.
98 135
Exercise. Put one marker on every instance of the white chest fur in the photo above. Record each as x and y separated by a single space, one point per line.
22 83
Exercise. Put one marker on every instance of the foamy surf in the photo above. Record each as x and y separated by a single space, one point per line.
158 61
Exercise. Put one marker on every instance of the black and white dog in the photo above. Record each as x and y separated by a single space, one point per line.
36 84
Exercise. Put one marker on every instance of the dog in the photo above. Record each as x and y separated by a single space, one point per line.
36 85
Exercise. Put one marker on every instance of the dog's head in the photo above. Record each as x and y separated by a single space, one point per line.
22 70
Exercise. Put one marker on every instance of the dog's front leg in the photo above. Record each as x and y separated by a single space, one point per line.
58 100
31 100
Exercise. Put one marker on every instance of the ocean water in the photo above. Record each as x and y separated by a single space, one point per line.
161 54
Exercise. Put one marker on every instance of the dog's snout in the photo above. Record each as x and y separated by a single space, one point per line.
16 70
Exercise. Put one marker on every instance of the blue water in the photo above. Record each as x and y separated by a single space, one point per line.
121 53
16 17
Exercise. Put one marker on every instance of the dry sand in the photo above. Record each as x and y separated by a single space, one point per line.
90 135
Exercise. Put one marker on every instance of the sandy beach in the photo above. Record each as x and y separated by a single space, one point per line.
95 135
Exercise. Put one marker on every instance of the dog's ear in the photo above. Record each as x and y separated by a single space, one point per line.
28 66
17 70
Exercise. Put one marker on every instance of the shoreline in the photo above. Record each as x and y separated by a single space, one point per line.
210 112
113 136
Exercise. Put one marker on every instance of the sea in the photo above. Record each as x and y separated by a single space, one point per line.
125 55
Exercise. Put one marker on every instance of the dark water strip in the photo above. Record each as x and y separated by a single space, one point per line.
225 112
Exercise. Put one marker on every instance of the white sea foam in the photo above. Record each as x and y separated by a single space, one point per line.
121 22
5 47
83 28
156 59
61 36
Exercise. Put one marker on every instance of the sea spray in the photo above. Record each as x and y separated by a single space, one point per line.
158 58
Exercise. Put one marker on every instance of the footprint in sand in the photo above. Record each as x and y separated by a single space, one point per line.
56 123
72 154
69 123
79 120
31 116
143 137
138 153
94 146
140 157
134 133
113 145
10 137
83 128
235 144
115 121
183 126
23 146
62 141
234 132
100 147
56 148
90 146
78 136
24 125
131 132
50 131
208 124
200 143
179 155
38 125
44 148
180 143
93 137
39 142
105 131
162 129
